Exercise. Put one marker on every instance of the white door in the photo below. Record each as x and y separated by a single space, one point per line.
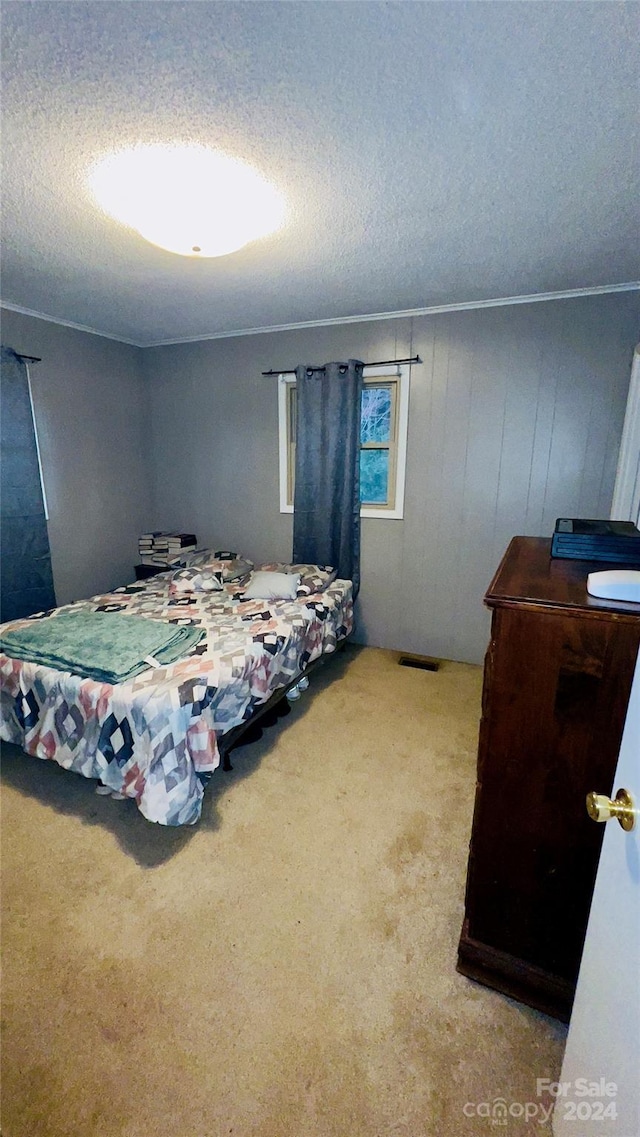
599 1089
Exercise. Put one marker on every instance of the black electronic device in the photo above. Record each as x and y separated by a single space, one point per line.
585 539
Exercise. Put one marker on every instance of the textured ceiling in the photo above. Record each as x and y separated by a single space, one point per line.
432 153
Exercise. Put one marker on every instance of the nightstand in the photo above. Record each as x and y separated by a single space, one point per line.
143 572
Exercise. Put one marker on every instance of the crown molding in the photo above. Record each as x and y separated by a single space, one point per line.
408 313
437 309
66 323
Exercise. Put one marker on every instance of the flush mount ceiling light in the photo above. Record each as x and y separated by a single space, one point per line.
187 199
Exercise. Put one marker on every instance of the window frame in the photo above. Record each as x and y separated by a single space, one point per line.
400 375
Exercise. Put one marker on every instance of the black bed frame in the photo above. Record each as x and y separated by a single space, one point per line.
276 706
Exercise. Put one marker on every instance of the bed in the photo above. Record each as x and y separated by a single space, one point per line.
158 737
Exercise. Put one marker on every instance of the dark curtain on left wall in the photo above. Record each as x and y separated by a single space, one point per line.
26 580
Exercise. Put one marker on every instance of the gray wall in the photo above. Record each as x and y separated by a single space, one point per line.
515 419
91 412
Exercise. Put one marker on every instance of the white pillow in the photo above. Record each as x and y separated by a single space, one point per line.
272 586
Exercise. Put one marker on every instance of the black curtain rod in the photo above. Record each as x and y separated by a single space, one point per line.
378 363
29 358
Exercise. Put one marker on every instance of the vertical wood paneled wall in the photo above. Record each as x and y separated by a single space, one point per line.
515 419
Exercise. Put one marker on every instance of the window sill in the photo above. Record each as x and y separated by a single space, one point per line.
368 514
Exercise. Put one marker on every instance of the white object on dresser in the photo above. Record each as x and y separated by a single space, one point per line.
615 584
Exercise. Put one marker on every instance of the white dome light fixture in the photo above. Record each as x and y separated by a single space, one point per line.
187 199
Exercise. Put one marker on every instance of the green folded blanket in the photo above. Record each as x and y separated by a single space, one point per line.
100 645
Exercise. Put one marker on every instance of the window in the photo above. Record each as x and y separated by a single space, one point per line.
383 440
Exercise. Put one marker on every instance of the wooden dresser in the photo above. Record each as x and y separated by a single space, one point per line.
557 678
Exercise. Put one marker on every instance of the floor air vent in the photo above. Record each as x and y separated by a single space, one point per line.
422 662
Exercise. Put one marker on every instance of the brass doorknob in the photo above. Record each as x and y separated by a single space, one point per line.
601 808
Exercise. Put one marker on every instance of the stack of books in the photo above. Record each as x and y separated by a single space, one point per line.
178 542
160 548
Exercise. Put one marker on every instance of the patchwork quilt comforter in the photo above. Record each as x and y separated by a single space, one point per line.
154 738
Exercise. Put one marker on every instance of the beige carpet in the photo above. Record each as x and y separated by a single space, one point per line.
287 967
